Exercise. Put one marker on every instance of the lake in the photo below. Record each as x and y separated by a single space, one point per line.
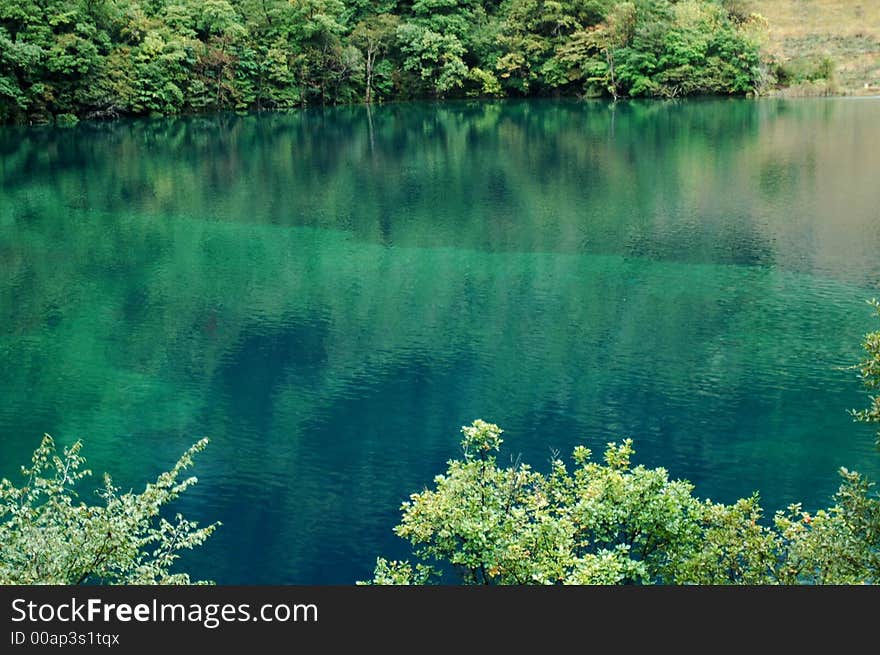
330 294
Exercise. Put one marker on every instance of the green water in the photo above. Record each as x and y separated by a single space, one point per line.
330 294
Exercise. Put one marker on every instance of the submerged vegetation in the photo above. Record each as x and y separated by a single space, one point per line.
103 58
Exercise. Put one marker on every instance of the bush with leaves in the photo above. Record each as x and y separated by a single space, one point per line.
869 371
615 523
48 535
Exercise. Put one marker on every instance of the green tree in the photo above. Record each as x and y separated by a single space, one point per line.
221 34
315 28
869 371
374 36
437 59
659 48
704 53
18 61
616 523
591 54
48 535
838 545
96 58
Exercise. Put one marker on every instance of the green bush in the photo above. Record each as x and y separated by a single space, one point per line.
804 69
48 535
66 119
869 371
616 523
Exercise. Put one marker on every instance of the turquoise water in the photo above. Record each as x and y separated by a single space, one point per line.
329 294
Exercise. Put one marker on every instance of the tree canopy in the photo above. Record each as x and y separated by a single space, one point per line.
106 58
48 535
618 523
869 371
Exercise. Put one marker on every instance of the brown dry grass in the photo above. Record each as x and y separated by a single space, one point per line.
847 31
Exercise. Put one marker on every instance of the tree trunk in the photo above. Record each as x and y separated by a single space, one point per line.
371 57
609 56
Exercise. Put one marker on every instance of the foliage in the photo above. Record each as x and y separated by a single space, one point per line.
435 58
616 523
374 37
869 371
98 58
49 536
660 49
806 69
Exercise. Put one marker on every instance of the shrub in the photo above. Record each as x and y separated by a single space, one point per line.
615 523
49 536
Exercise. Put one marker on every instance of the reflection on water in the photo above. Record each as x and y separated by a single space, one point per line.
329 294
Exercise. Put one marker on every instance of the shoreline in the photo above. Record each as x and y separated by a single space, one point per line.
778 95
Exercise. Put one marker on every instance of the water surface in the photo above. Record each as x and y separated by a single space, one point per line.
330 294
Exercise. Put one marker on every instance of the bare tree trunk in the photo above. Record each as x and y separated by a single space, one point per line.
371 58
219 82
609 57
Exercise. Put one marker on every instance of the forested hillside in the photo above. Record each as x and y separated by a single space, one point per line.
68 59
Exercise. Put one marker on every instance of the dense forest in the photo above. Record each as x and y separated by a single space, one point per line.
63 59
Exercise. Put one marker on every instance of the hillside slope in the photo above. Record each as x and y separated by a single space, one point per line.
846 31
